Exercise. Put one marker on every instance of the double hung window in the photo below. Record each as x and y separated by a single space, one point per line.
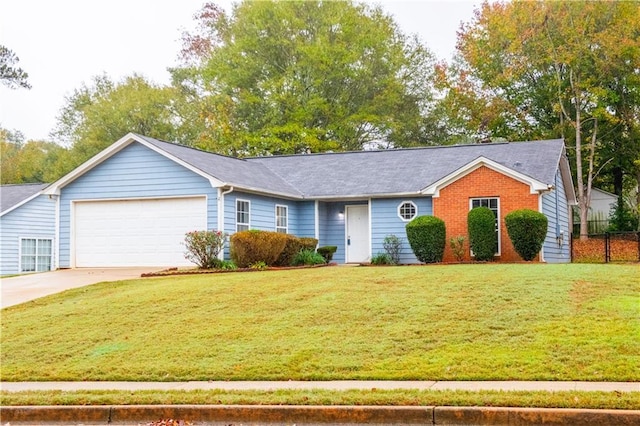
282 219
243 215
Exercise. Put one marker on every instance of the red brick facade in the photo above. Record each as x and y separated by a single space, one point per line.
452 206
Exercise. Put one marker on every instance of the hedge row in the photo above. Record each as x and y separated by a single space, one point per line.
271 248
527 230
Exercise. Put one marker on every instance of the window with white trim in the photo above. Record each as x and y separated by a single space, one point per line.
407 210
243 215
493 204
282 218
36 254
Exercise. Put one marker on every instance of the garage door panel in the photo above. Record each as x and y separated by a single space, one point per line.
135 232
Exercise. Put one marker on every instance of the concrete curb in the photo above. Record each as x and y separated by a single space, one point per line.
271 414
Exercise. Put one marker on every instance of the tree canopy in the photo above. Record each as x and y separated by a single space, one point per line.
288 77
11 76
561 69
97 115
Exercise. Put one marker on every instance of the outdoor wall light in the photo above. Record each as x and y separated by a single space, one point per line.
341 214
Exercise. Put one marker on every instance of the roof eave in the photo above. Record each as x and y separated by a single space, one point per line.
22 203
536 186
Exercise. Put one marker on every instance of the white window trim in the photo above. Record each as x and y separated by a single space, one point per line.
51 256
286 218
400 208
248 224
499 253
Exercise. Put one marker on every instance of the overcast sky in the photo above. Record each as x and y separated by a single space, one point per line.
64 43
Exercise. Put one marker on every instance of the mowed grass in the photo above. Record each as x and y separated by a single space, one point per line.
453 322
569 399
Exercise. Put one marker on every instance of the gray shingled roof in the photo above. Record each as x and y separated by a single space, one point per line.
10 195
404 171
233 171
367 173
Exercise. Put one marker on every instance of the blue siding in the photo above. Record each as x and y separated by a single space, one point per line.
385 221
306 219
332 226
134 172
37 218
557 213
262 211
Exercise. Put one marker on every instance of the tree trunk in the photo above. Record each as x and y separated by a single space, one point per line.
618 176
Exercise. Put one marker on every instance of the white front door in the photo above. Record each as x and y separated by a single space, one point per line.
357 233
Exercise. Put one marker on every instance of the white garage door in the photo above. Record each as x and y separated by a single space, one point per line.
135 232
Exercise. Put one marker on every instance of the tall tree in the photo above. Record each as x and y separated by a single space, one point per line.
96 116
11 76
26 162
556 63
287 77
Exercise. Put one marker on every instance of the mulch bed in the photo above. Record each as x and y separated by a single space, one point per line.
195 271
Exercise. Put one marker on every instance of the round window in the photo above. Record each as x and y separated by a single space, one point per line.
407 210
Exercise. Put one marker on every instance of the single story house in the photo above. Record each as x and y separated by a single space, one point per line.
131 204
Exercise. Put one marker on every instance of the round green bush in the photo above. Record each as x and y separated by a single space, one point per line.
481 224
427 238
527 230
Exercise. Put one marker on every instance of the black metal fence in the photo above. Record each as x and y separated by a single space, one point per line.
606 247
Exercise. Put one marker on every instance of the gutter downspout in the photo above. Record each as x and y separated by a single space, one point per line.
221 195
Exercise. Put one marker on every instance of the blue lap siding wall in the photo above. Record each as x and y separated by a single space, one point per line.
136 172
556 208
386 221
34 219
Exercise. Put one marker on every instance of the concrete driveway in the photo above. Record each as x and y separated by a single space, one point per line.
20 289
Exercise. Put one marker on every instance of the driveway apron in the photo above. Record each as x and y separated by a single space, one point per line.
23 288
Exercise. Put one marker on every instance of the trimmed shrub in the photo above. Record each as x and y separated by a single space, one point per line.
309 243
203 248
481 223
427 238
393 246
252 247
327 252
457 247
308 257
527 230
381 259
292 246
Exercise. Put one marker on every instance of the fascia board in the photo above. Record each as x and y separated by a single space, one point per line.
565 174
535 185
120 144
365 196
259 191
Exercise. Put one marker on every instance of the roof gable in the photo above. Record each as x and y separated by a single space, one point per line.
109 152
535 185
14 196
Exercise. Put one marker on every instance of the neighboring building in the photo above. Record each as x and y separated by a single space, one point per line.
131 204
602 203
27 229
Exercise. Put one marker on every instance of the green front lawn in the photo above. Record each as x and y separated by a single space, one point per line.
596 400
455 322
